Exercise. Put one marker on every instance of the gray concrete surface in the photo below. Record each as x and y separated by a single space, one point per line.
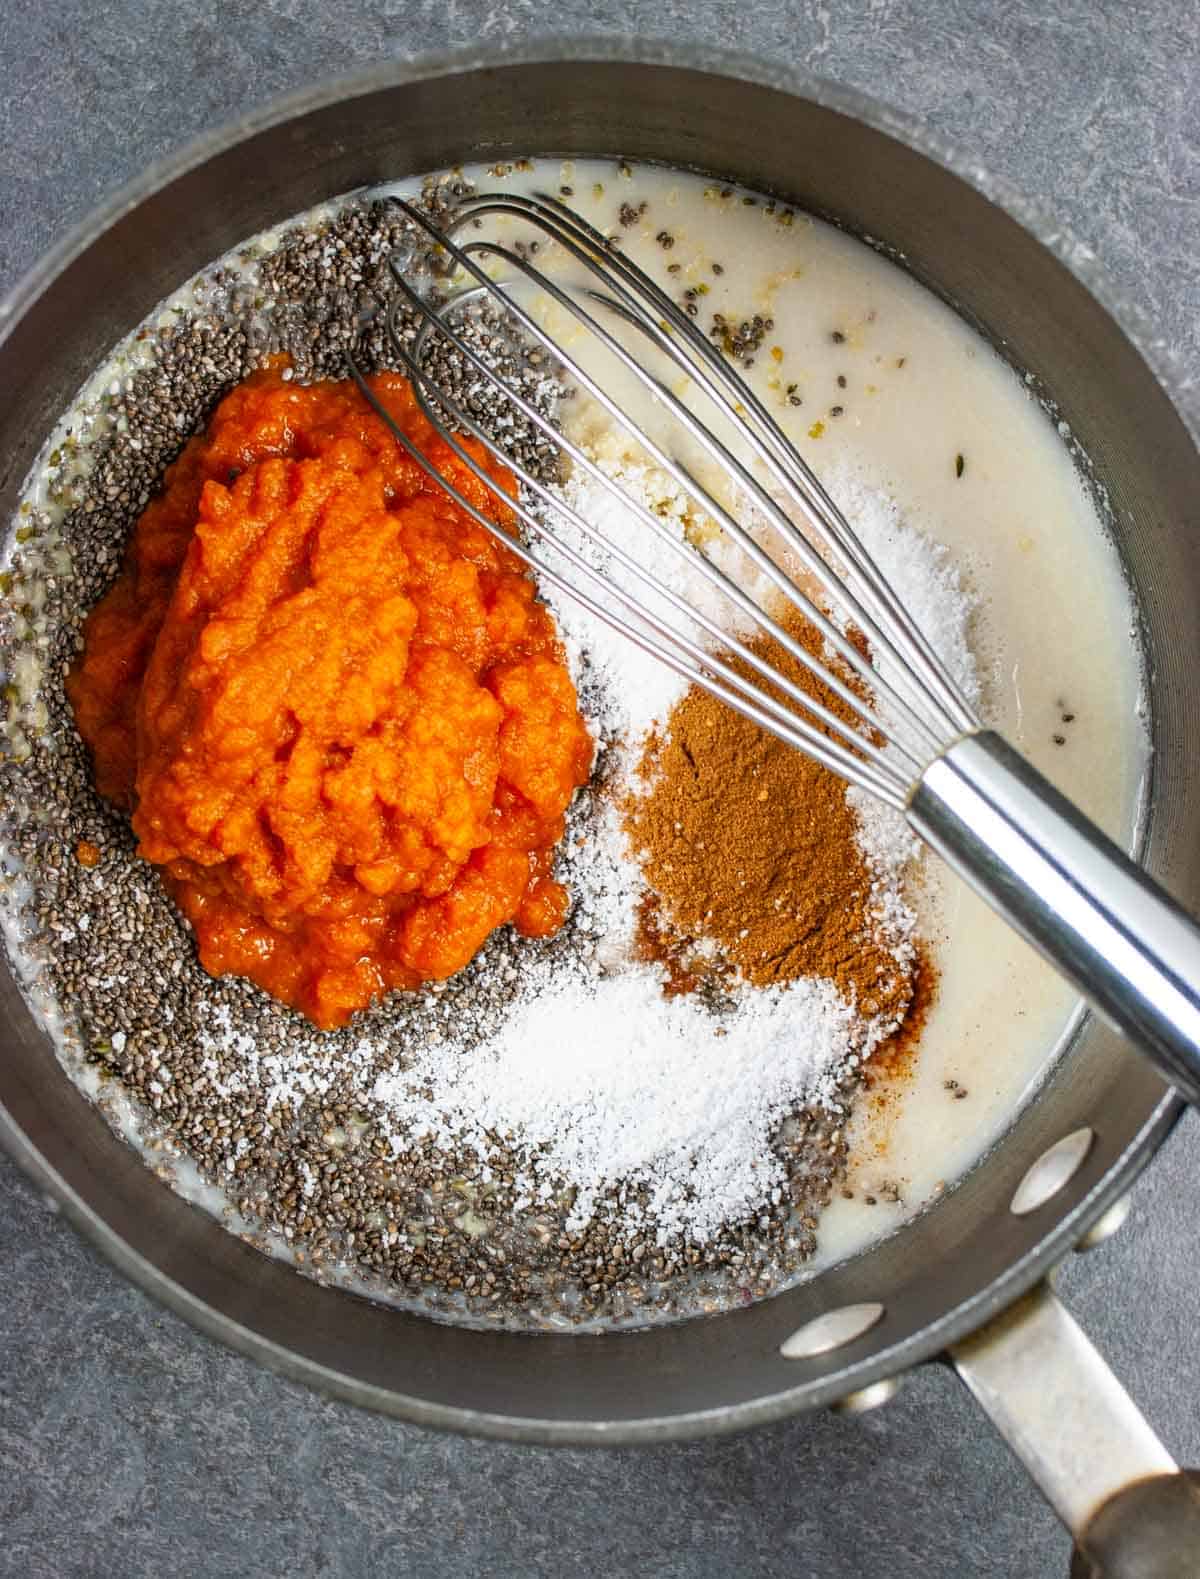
131 1446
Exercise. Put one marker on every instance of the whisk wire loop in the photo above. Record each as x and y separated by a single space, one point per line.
851 734
892 722
902 715
591 250
720 514
856 702
791 470
746 699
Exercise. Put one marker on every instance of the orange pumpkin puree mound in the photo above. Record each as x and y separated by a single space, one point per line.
338 713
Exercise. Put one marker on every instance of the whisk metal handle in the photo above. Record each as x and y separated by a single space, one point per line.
1067 888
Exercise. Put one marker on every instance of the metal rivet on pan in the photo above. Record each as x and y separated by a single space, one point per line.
1053 1169
868 1398
1107 1223
831 1330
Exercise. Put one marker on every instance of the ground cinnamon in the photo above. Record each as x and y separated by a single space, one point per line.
748 843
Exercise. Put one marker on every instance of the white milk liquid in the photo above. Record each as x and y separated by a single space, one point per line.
1053 636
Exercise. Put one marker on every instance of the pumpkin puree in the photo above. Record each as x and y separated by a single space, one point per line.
329 697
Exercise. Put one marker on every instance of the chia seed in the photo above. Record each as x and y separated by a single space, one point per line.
740 341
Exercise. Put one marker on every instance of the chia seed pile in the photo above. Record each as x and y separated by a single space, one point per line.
214 1071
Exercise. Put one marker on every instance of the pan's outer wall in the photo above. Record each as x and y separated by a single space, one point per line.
948 1270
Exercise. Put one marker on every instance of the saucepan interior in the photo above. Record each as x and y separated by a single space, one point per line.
846 160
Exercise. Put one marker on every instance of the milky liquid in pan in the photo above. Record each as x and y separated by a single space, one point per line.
1054 635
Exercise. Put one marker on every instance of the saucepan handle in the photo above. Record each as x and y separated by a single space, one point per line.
1128 947
1134 1514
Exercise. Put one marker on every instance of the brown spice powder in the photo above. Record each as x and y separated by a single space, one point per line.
746 841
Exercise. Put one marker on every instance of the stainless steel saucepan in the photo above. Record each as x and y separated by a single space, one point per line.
966 1280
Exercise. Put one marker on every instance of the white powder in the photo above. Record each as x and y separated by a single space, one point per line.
639 690
928 584
611 1084
598 1081
920 570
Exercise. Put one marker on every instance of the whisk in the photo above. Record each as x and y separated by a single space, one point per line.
905 733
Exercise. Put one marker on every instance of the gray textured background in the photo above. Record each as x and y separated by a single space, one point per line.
128 1444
